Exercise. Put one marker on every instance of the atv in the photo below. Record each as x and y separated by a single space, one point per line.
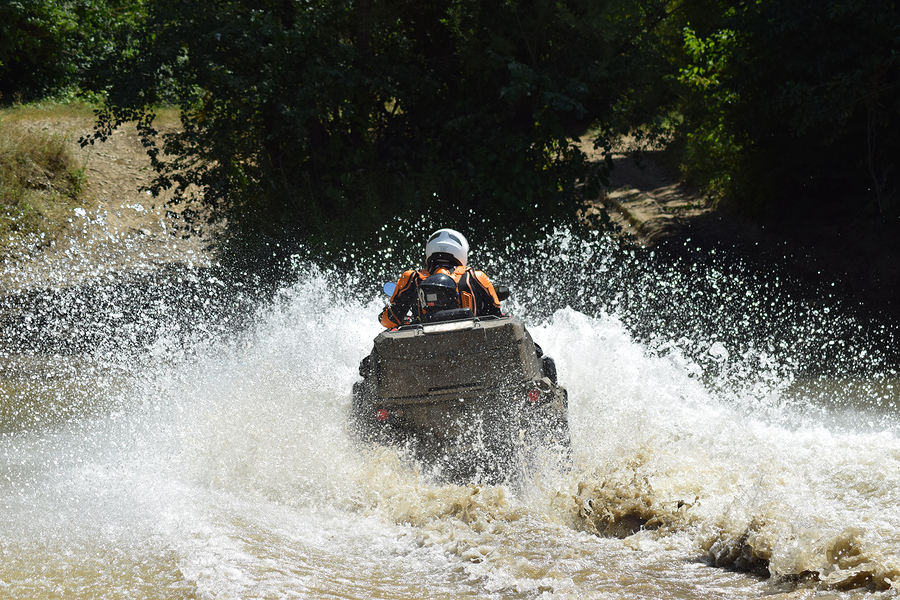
468 396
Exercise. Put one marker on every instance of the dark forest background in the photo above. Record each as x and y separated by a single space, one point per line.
330 123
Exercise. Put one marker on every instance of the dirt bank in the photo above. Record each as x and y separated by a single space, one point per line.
852 257
120 228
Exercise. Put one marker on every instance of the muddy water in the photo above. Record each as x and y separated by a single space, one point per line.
220 467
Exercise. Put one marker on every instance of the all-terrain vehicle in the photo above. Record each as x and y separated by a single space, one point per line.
468 395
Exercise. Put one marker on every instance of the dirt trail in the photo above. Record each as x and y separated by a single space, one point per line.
646 201
853 258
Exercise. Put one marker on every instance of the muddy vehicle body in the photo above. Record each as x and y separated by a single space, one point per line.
470 395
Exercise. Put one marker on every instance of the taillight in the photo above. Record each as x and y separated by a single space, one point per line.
534 395
382 414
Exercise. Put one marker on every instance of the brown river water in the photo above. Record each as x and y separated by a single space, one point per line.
213 465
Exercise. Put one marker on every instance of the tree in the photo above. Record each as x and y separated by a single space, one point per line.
47 45
803 99
324 120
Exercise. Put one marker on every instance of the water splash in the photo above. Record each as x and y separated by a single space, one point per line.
208 455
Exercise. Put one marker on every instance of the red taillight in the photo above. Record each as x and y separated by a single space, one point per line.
382 414
534 395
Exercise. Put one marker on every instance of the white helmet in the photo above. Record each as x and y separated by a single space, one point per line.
446 245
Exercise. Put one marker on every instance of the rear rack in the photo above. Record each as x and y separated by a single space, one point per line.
433 326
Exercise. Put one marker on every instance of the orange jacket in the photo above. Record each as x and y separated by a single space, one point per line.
475 292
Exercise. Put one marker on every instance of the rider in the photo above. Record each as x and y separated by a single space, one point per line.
446 253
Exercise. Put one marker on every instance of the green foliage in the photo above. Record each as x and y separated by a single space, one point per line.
324 120
798 103
711 149
48 46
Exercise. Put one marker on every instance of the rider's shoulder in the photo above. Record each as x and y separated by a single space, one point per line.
463 269
407 277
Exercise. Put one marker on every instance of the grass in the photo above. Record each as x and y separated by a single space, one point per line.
74 110
40 184
47 110
41 181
